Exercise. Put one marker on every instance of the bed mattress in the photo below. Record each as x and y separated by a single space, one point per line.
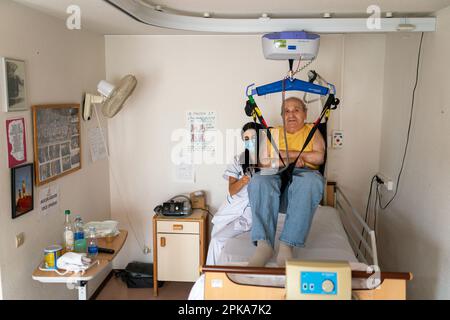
327 240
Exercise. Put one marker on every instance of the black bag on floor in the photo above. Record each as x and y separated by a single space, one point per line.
138 275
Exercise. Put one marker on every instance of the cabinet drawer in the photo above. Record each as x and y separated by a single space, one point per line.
178 227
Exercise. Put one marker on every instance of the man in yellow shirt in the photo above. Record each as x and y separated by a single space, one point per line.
303 195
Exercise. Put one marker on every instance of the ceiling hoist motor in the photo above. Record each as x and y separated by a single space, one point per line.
292 45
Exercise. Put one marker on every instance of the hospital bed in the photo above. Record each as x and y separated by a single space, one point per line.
335 235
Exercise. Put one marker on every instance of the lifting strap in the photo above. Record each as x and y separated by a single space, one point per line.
252 110
286 175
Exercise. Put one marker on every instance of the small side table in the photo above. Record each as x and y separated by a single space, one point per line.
179 247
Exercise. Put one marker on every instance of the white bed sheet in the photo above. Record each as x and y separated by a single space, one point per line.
327 240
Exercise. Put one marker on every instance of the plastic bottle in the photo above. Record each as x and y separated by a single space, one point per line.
79 238
68 233
92 243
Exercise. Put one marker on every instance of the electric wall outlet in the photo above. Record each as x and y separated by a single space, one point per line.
387 182
20 239
147 250
337 139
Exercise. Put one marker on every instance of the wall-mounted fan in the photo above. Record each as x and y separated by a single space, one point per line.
111 98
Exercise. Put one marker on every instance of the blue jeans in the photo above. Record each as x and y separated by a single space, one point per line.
302 196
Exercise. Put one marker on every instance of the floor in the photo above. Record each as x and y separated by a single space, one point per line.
116 289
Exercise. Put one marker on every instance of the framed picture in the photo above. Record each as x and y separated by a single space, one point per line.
16 141
57 141
22 193
14 84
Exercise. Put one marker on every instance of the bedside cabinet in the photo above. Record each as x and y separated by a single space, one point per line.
179 247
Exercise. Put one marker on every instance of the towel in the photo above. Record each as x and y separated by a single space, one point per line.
75 262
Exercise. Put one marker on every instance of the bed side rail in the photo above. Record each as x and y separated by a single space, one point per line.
354 225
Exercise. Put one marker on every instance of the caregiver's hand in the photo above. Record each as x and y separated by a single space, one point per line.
236 185
245 180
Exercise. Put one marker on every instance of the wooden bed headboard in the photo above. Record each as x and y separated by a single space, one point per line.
329 196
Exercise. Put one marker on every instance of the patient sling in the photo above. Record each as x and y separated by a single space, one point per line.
289 84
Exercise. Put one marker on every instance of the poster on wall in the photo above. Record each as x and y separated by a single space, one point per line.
16 141
57 141
184 173
49 200
202 126
14 84
98 144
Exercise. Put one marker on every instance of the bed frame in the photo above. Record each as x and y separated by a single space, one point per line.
387 285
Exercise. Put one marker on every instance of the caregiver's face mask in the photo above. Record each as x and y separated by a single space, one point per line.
250 145
250 140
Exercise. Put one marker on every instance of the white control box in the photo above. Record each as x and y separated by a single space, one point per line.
318 280
337 139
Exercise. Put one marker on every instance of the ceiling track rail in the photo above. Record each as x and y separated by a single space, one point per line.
156 17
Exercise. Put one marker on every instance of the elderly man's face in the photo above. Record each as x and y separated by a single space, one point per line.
294 115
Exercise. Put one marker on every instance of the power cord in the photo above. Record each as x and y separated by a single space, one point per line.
378 180
205 210
145 249
409 128
375 208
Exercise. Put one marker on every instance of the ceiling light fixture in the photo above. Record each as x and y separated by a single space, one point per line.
406 26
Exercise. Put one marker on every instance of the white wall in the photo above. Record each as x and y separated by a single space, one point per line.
181 73
61 64
362 98
414 230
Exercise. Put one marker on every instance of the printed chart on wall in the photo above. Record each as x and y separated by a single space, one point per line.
202 129
200 145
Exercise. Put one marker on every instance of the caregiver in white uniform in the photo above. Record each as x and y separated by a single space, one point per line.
234 217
